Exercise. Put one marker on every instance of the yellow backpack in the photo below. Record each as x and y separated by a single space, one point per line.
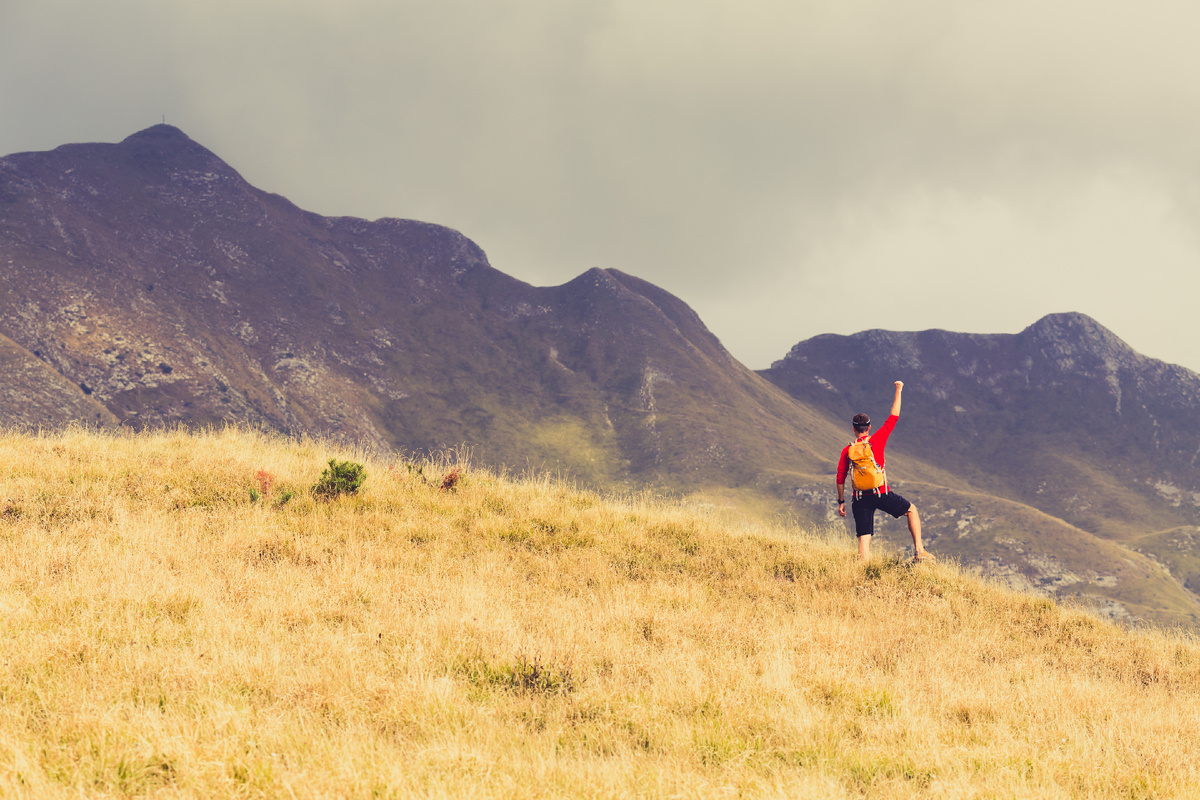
865 474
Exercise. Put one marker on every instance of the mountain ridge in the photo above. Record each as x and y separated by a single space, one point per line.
147 284
395 332
1063 417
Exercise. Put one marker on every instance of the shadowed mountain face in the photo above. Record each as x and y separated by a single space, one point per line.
162 288
1063 417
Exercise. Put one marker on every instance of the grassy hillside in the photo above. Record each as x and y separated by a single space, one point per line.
182 618
1154 579
1063 420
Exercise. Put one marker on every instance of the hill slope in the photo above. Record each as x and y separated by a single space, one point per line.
182 618
146 284
1064 418
152 277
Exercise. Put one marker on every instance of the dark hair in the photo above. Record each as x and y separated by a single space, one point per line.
861 422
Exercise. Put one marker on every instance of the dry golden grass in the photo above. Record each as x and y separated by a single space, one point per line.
172 627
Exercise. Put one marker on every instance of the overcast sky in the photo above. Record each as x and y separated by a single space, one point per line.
788 168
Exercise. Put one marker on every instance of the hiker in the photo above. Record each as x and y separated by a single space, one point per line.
863 460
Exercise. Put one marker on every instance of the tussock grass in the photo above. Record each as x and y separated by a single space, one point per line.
176 624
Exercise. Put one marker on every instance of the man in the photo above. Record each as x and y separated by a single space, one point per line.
865 457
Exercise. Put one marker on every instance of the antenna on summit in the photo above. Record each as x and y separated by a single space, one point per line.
164 119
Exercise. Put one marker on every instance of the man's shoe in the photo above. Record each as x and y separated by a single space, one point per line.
923 556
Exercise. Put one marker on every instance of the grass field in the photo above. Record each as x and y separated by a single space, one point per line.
182 618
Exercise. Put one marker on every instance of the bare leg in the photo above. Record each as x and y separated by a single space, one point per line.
914 527
864 547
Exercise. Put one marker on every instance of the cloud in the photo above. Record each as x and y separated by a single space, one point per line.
757 158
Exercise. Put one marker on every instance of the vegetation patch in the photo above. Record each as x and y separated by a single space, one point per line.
523 675
339 478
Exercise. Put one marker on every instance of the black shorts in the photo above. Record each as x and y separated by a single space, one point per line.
864 507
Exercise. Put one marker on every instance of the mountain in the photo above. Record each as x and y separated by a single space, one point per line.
1062 418
33 395
146 283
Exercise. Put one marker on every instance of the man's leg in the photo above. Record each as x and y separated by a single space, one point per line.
914 527
864 524
899 507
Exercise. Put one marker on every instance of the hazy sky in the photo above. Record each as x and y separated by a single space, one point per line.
788 168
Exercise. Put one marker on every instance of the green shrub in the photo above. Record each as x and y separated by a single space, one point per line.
340 477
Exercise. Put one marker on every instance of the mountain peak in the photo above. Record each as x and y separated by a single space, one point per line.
159 134
168 144
1071 333
1068 321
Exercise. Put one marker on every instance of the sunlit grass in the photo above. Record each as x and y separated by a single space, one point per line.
174 624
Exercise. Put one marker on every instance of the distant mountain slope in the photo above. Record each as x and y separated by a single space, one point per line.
33 396
1063 417
146 283
150 275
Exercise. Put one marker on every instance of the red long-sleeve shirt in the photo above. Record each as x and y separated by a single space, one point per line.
878 442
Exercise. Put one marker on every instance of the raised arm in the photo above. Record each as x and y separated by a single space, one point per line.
896 401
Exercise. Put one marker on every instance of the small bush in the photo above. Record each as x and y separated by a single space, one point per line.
450 482
340 477
266 481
